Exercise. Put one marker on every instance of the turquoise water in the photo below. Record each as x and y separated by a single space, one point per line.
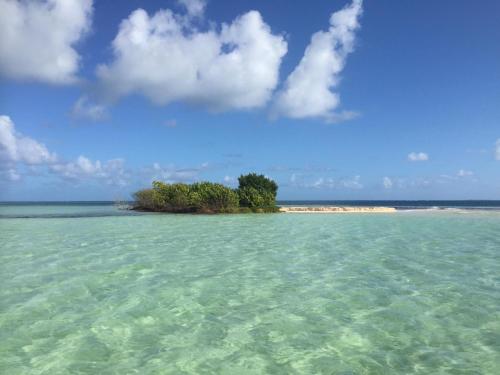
404 293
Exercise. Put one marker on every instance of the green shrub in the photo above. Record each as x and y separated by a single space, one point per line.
256 193
271 209
259 182
214 197
173 197
250 197
203 197
147 199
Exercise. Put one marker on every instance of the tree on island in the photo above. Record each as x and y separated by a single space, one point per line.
255 193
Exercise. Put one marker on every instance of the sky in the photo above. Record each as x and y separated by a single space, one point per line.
332 99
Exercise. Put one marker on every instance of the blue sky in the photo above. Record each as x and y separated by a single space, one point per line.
332 99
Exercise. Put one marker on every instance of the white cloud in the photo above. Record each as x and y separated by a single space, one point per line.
21 153
417 182
321 182
82 166
308 89
352 183
411 182
497 149
22 156
11 174
112 172
165 58
195 8
387 182
17 148
230 180
37 38
418 156
171 173
464 173
86 109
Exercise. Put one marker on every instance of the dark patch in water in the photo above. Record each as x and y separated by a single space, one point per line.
69 216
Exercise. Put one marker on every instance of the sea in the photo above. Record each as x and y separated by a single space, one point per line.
95 288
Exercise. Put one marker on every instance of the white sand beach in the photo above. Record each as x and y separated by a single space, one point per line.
337 209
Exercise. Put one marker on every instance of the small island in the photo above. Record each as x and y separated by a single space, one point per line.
255 193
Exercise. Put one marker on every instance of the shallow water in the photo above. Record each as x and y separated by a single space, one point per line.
404 293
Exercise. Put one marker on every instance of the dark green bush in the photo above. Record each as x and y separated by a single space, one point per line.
173 197
259 182
147 199
270 209
214 197
202 197
256 193
250 197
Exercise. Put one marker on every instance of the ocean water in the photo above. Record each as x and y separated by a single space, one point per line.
89 289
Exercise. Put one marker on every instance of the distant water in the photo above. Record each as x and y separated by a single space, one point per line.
79 209
62 210
89 289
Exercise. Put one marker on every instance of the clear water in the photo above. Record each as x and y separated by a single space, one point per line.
62 210
403 293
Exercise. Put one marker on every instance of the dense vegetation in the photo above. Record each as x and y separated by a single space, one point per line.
255 193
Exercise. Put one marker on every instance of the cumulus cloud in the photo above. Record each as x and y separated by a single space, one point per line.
308 89
418 156
387 182
464 173
195 8
351 183
414 182
417 182
38 38
112 172
86 109
166 58
22 156
171 173
19 152
11 174
17 148
497 149
229 180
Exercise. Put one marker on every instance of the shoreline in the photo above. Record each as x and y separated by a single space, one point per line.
336 209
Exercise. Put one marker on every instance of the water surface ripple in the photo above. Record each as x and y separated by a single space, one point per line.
407 293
